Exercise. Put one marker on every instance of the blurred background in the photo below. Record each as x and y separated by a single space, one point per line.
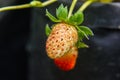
14 34
22 44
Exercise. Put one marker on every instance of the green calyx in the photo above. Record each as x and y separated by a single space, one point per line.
47 30
83 32
75 19
62 16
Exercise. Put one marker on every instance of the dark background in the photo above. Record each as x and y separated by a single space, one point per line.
14 34
22 44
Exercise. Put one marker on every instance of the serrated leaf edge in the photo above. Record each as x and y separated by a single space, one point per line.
60 11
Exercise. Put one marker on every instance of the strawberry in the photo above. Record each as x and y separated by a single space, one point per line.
63 36
68 61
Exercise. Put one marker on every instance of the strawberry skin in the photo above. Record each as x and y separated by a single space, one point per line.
66 37
68 61
62 37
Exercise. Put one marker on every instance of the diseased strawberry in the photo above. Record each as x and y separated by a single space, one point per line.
68 61
63 36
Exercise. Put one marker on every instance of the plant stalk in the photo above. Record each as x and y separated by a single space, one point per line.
72 7
33 3
48 2
85 5
15 7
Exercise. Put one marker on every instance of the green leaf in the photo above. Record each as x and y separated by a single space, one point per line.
62 12
82 45
47 30
51 17
77 18
81 33
87 30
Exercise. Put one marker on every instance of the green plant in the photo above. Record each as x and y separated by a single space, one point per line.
67 24
67 34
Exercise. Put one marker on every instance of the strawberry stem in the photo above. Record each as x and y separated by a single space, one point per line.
33 3
46 3
14 7
86 4
72 8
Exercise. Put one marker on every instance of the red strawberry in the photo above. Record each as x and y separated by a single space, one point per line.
63 36
68 61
